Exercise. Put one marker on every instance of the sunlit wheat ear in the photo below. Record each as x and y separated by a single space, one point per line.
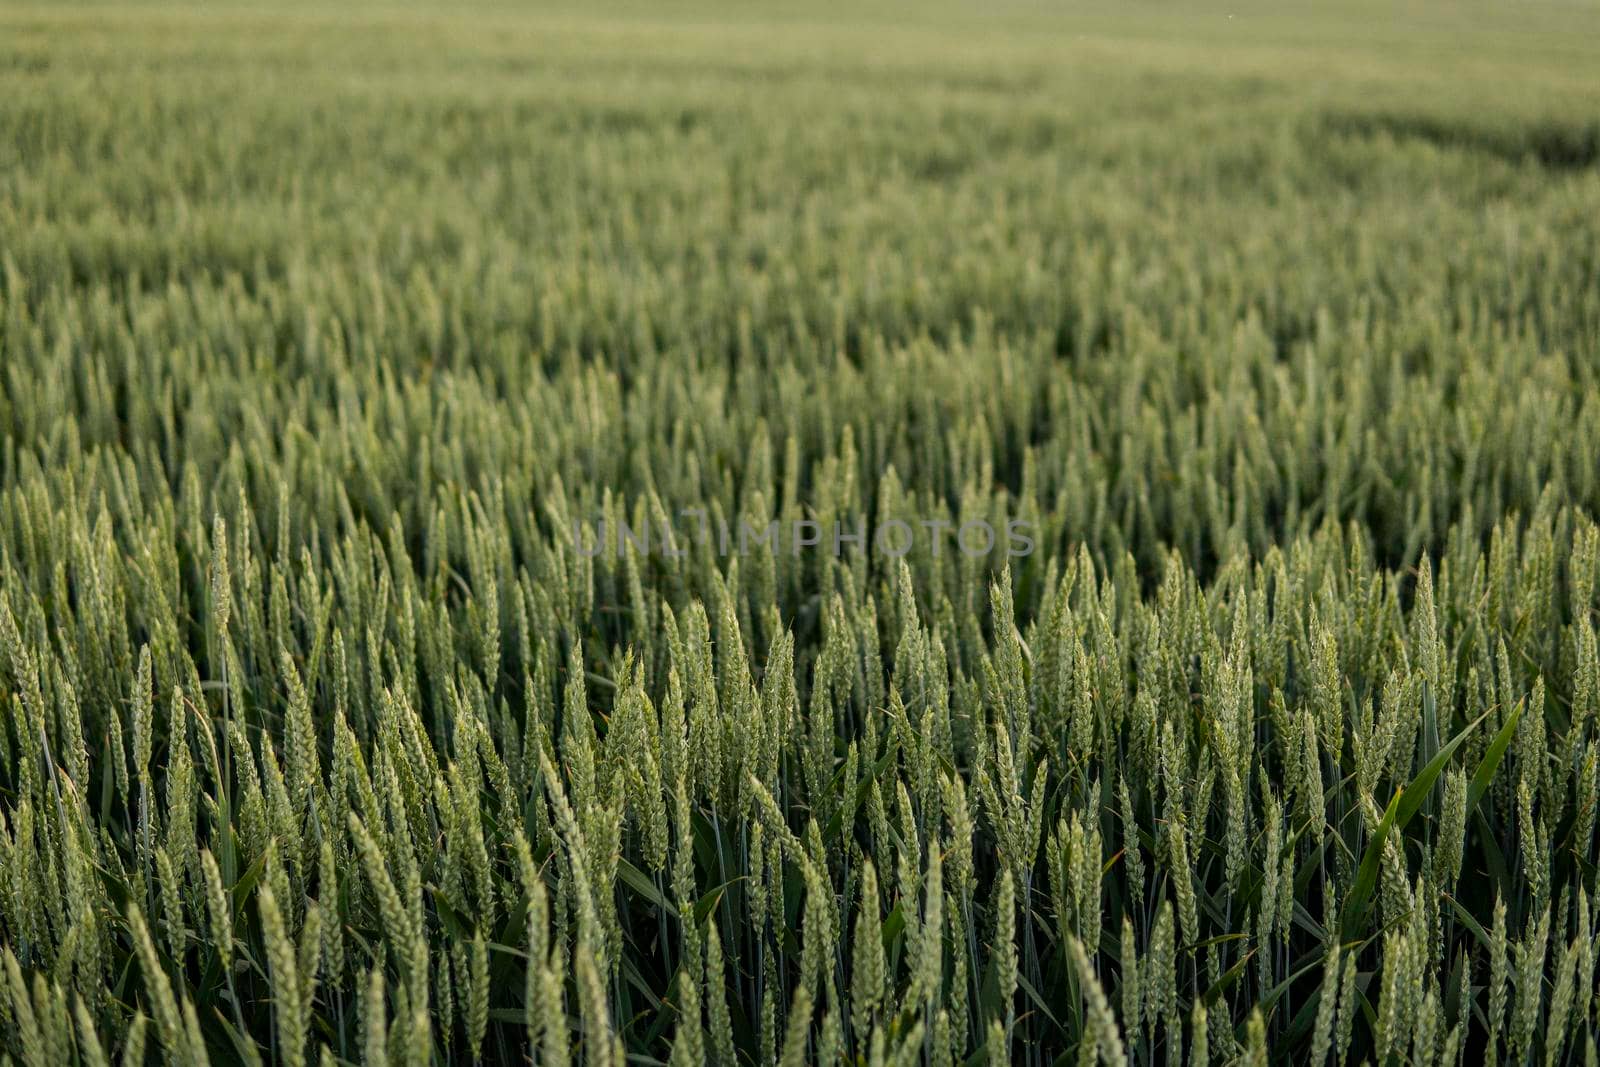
164 1004
285 979
1102 1023
1529 972
793 1053
868 969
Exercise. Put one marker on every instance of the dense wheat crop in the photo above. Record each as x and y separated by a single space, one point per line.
1266 342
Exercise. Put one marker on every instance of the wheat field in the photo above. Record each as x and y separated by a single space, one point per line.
1038 533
